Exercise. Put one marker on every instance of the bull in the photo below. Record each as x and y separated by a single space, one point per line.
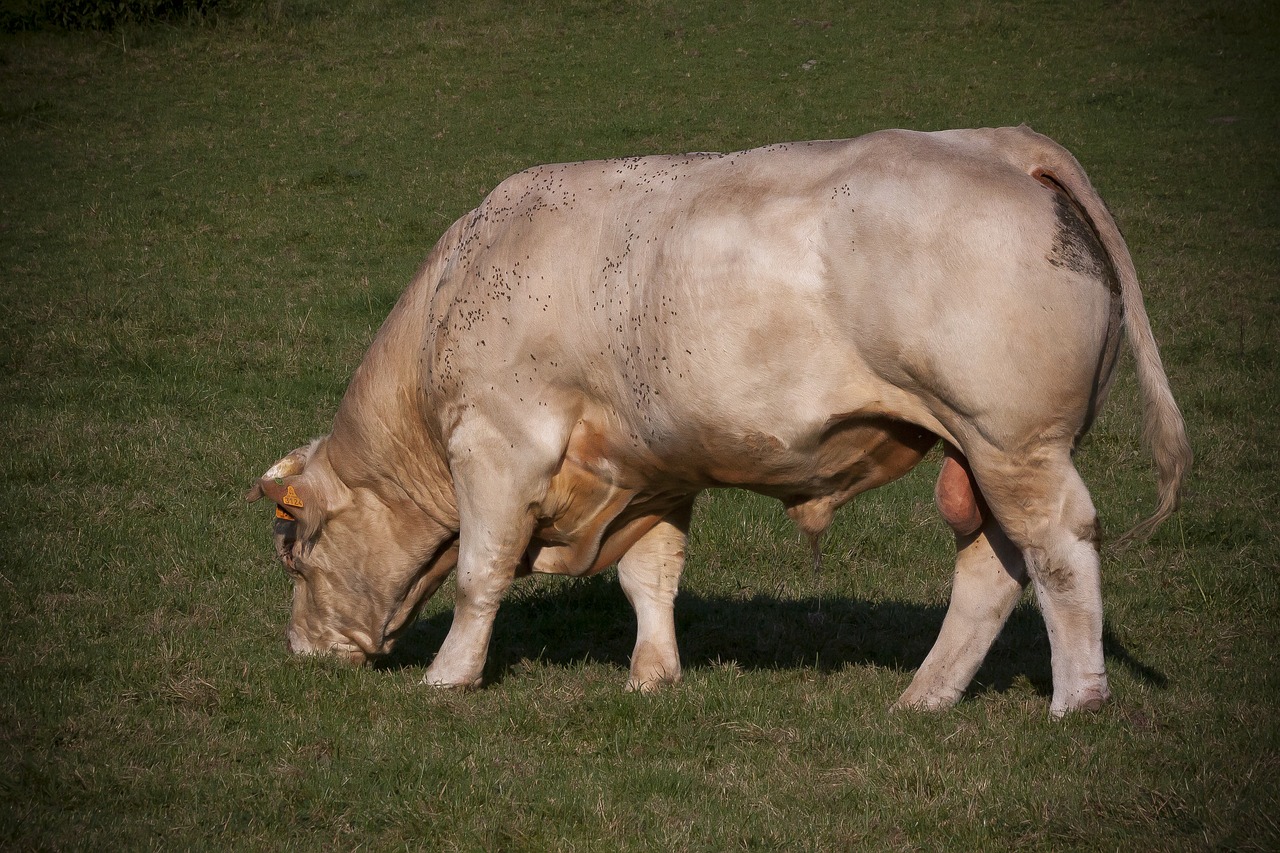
598 342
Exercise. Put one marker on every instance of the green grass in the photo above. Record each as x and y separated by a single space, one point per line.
201 228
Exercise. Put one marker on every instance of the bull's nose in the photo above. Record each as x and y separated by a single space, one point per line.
355 656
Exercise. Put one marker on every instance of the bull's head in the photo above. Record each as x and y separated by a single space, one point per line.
361 563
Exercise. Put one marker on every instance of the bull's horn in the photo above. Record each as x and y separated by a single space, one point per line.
289 466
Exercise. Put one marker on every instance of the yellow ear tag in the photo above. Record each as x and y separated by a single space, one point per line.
291 498
280 513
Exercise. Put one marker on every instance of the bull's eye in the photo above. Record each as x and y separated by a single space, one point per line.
290 556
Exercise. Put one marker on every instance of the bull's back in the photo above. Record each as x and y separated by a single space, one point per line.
743 301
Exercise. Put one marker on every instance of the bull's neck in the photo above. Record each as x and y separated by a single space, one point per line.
380 437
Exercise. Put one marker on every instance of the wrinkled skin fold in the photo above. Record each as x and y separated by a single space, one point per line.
598 342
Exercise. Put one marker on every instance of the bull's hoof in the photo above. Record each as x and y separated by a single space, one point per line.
921 700
653 665
931 706
460 686
650 683
1090 700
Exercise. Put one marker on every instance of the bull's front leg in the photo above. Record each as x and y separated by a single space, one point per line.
495 524
479 589
650 576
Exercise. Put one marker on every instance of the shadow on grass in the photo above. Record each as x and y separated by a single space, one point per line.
591 621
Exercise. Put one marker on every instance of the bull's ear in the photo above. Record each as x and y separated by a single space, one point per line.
286 494
299 487
299 498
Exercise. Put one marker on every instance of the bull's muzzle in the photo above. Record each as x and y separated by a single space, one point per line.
298 644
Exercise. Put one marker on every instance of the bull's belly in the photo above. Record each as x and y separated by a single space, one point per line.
813 479
852 452
604 497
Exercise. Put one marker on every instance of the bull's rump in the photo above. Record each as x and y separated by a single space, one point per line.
708 310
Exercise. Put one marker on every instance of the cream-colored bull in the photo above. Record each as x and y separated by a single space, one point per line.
598 342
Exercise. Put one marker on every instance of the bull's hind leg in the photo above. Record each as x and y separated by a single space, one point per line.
989 580
650 576
1043 506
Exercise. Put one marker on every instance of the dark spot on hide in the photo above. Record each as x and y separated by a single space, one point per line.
1056 576
1091 533
1075 245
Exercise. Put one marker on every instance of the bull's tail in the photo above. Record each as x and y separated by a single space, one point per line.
1163 430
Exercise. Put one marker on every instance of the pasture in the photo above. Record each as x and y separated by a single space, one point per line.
202 226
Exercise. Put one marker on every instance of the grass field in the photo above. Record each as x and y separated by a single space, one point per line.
201 229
